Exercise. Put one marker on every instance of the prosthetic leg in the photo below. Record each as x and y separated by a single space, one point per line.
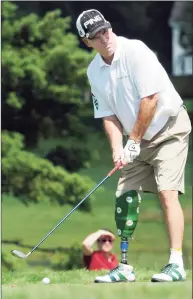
126 217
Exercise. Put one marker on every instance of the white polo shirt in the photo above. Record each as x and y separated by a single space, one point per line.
134 73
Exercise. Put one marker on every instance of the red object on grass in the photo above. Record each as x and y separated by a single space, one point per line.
98 261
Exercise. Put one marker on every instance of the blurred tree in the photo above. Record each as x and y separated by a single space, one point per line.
43 88
34 179
145 20
43 76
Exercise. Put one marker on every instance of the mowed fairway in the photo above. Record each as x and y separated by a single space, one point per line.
148 252
79 284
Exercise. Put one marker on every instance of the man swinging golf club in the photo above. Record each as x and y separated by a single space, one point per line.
134 96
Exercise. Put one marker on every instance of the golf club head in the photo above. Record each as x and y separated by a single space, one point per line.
20 254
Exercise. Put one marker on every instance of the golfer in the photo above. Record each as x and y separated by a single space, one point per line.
134 96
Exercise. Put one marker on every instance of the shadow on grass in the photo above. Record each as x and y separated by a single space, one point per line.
54 258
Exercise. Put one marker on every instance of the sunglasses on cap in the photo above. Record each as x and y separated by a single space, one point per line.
104 240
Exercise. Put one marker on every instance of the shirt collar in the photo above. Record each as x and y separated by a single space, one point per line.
116 55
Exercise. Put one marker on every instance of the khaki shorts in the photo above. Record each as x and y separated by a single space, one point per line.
161 163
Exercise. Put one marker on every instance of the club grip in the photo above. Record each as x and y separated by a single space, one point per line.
114 170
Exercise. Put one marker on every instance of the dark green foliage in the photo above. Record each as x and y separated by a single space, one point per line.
74 261
43 76
71 157
35 179
43 86
6 261
64 259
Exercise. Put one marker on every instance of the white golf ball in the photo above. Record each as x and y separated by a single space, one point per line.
46 280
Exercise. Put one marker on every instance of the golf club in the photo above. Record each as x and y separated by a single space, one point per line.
22 255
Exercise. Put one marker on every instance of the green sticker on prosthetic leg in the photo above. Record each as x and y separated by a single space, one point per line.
127 213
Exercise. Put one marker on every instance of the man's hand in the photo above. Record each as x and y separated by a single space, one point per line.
116 155
130 152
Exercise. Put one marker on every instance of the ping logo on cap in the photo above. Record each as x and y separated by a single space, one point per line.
92 21
89 22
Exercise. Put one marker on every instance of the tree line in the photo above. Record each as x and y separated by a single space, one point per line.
44 95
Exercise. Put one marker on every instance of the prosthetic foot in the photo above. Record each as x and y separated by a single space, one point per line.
122 273
126 217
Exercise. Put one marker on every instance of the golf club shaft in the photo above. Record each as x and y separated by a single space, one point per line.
96 187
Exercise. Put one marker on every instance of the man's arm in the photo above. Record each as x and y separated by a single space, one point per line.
114 132
146 112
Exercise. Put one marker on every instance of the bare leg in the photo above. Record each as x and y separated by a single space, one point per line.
174 219
173 216
174 270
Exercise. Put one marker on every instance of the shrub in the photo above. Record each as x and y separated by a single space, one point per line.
35 179
71 157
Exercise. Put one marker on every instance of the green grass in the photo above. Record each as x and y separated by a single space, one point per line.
30 226
79 283
81 291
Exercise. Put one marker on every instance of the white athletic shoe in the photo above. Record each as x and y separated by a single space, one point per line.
122 273
171 272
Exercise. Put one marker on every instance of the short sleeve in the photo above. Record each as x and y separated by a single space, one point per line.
146 70
101 107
